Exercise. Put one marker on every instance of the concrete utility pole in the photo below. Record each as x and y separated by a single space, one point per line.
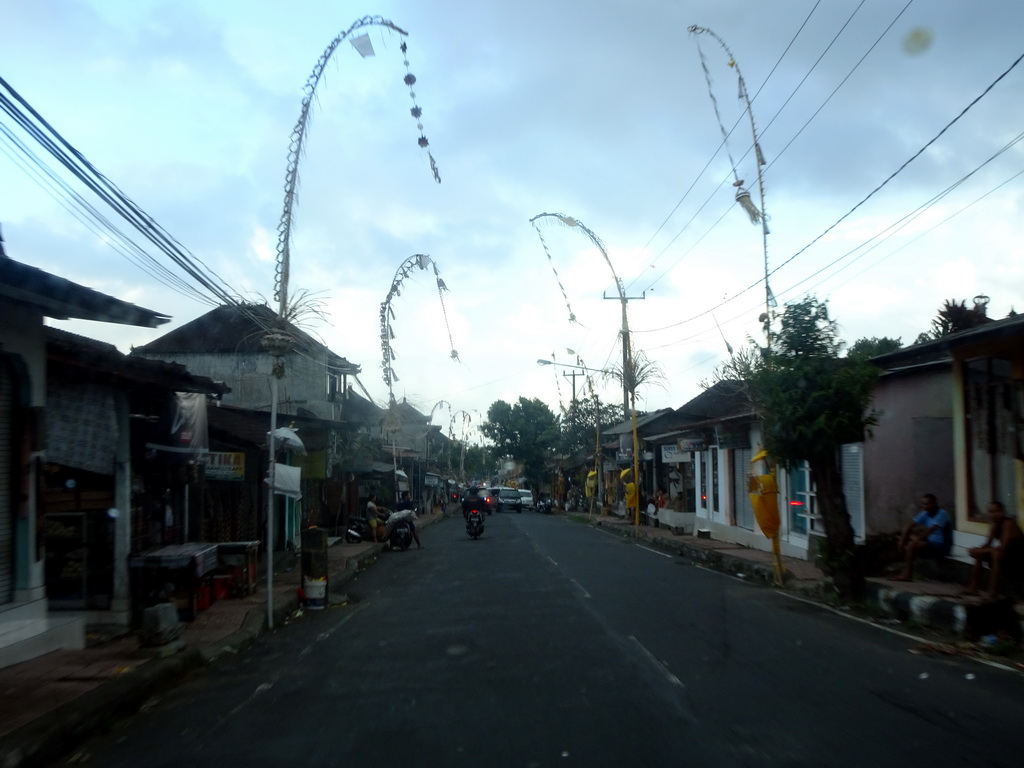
573 376
627 352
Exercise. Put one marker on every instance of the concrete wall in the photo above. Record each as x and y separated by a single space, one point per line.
304 384
911 450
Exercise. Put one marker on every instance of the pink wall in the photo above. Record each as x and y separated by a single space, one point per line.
911 450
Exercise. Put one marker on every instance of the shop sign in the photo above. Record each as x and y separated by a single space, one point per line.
696 444
673 454
225 466
734 438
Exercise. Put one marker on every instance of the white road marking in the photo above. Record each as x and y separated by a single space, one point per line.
657 663
549 557
580 587
259 689
663 554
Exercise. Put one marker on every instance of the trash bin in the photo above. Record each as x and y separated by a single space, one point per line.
314 567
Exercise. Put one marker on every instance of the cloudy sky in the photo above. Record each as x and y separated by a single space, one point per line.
598 110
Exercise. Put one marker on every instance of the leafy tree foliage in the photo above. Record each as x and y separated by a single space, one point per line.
640 372
812 400
579 423
522 431
865 349
955 316
478 462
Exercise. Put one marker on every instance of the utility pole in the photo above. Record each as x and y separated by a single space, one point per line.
573 376
627 353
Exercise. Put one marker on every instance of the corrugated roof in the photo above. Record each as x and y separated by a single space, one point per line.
61 299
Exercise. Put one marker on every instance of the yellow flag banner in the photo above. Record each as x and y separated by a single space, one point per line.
764 498
631 500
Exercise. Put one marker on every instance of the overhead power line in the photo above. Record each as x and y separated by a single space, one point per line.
850 212
79 166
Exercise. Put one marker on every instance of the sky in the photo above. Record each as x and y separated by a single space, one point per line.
598 111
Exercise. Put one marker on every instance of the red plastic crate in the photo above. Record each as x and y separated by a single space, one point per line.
223 585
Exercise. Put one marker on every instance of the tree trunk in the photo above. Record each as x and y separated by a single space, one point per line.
840 559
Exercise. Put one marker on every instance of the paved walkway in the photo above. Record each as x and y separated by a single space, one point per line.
52 703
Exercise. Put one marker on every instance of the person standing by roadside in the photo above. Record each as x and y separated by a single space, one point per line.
929 535
375 516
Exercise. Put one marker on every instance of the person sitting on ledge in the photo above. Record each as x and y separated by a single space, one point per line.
928 535
1001 551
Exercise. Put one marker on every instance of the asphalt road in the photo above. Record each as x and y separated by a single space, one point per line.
549 643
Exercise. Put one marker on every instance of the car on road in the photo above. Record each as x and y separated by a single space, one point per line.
475 495
509 500
527 497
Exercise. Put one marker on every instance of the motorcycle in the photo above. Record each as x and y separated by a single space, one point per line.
545 506
400 533
474 523
358 530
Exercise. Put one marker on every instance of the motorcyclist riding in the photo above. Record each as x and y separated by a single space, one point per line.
474 499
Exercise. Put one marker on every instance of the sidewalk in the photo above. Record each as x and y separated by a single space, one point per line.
50 704
933 604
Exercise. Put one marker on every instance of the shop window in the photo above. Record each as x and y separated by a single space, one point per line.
800 498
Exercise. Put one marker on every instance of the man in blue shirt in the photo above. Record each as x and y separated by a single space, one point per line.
929 534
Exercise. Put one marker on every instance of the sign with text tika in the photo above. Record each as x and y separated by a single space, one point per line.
225 466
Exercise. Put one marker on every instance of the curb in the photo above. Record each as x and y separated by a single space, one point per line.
928 610
52 737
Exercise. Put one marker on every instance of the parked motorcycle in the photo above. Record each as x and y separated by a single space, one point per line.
400 533
545 506
358 530
474 523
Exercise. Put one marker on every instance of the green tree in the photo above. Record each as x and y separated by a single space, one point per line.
812 401
866 348
955 316
579 423
478 462
522 431
641 371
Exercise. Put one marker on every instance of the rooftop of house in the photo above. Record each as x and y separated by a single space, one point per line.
81 353
60 299
941 349
238 329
